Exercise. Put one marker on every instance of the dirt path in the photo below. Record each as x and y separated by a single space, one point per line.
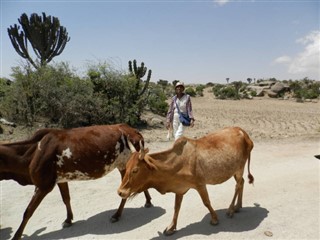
284 201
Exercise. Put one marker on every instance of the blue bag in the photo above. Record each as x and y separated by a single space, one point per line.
183 117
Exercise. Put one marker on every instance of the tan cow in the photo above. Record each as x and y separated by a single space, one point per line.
56 156
212 159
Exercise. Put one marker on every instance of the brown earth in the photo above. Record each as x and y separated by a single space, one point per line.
284 201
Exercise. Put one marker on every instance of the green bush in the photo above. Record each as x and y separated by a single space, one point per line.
228 92
253 93
216 89
55 94
156 100
190 91
199 90
305 89
49 93
225 92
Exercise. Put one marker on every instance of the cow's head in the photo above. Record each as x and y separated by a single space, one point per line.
139 169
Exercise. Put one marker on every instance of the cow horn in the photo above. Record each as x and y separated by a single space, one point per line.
132 148
142 152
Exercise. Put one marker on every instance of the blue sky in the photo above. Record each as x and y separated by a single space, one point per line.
191 41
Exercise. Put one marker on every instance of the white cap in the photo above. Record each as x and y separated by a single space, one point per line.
179 84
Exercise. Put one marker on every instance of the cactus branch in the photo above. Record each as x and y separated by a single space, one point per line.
47 38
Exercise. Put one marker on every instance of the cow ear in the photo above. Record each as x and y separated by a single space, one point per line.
150 162
142 154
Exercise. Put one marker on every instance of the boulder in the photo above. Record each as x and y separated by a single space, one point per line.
277 88
258 89
272 94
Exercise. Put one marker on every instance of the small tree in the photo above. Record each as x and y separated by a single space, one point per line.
174 82
47 38
237 85
190 91
163 84
199 90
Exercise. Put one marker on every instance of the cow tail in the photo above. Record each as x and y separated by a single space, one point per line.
251 178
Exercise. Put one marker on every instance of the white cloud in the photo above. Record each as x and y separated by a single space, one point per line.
307 61
283 59
221 2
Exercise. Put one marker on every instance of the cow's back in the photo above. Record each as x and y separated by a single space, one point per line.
85 153
216 157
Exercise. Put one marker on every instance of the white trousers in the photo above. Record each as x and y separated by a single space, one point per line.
177 126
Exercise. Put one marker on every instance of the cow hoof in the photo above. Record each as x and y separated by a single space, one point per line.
114 219
214 222
148 205
230 214
168 232
66 224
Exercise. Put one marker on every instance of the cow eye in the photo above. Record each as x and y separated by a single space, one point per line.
135 170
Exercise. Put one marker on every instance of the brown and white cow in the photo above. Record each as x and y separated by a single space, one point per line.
212 159
57 156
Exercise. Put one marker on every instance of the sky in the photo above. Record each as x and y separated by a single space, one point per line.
190 41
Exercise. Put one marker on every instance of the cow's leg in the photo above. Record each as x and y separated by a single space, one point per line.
202 190
115 217
64 190
237 196
148 199
34 203
172 227
240 194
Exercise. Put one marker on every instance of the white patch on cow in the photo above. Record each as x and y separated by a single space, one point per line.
65 153
39 145
119 159
117 148
73 176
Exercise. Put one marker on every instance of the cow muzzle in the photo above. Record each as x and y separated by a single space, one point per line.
124 194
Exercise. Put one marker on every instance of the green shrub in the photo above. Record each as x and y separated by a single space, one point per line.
225 92
156 100
253 93
199 90
305 89
190 91
55 94
228 92
216 89
50 93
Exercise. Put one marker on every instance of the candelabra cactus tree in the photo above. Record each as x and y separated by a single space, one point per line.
138 73
137 97
45 34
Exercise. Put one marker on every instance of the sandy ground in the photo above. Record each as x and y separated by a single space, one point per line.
283 202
